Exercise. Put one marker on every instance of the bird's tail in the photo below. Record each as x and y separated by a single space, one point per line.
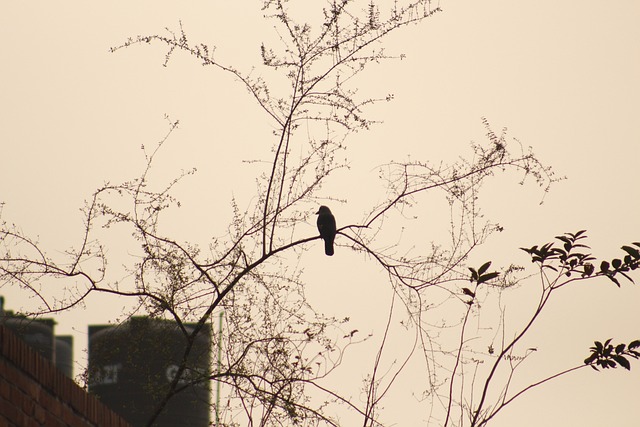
328 247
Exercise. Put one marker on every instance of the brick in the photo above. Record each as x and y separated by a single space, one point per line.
34 393
53 421
9 411
13 375
33 390
68 416
5 388
17 397
23 419
30 422
39 414
28 405
51 404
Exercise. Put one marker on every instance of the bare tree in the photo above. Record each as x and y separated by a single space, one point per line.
278 349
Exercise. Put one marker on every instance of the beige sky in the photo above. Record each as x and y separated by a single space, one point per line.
563 78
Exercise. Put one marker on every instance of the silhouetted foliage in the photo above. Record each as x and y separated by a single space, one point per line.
571 261
609 356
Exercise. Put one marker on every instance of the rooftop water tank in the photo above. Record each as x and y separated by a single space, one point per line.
38 333
64 354
131 367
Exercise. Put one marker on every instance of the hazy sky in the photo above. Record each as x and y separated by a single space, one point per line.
563 77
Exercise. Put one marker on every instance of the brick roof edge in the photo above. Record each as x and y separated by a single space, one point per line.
18 353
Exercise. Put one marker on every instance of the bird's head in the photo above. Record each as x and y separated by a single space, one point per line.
323 210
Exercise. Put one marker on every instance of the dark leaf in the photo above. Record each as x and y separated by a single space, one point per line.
580 233
531 250
607 351
634 344
591 358
599 347
576 256
545 250
484 267
488 276
613 279
628 278
469 292
622 361
631 251
588 269
604 266
620 348
580 245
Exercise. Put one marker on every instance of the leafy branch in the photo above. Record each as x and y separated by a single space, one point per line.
606 355
562 257
561 262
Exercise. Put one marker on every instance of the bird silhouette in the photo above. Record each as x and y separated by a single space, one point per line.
327 228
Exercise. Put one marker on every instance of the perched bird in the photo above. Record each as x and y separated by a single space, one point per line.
327 228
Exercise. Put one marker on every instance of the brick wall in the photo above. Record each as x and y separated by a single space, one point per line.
34 393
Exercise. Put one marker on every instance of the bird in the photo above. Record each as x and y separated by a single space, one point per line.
327 228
